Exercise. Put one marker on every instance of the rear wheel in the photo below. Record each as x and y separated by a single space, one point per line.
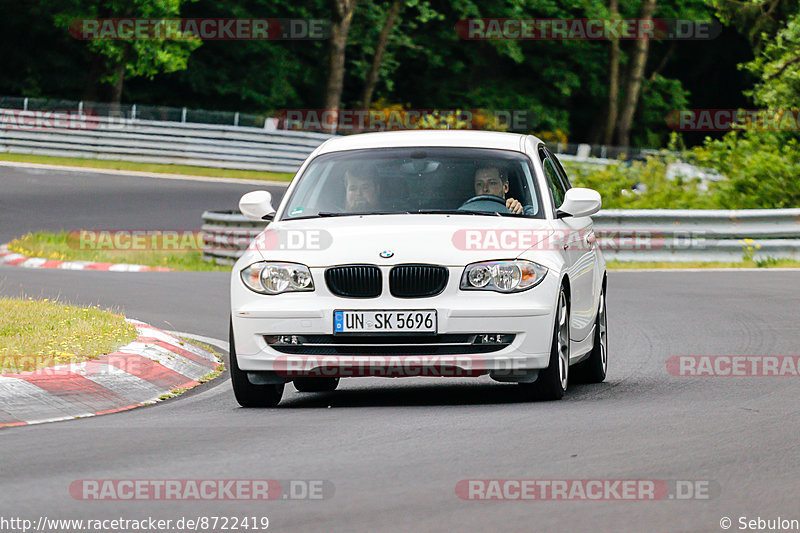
553 380
247 394
594 369
316 384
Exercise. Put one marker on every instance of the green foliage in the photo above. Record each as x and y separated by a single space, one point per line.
778 67
762 168
758 20
660 96
641 185
562 84
762 162
140 57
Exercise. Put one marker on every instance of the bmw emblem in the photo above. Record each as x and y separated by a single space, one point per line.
386 254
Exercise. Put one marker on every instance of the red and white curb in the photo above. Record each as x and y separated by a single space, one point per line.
15 259
137 374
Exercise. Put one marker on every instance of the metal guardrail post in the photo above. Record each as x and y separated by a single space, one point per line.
226 235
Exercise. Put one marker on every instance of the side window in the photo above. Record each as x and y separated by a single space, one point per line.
554 182
560 170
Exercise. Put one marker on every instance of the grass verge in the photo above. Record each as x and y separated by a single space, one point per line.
64 246
41 333
147 167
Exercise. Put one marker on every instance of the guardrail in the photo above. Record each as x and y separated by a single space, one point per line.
80 133
226 235
151 141
623 235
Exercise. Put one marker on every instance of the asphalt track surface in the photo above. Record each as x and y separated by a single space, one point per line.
394 449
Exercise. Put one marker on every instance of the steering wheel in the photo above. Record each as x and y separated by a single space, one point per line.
485 202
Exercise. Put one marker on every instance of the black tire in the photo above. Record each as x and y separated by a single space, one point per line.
594 369
316 384
247 394
553 381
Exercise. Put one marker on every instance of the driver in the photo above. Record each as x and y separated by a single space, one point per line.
490 180
361 188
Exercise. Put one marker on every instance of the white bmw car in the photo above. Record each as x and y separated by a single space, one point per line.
421 253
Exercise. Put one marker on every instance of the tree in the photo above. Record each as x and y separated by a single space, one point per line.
343 11
128 56
758 20
778 68
613 83
380 48
761 160
635 76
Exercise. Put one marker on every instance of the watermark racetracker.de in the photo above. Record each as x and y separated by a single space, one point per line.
595 489
731 119
184 240
734 365
364 120
47 120
520 239
200 489
206 29
586 29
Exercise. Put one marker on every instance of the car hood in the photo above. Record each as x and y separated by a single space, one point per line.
452 240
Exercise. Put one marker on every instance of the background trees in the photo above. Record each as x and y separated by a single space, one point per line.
407 53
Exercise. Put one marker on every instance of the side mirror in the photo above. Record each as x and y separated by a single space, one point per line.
580 202
257 205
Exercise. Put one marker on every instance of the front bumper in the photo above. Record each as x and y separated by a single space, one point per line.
527 315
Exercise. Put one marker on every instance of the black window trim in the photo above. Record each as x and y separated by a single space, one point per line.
559 170
544 154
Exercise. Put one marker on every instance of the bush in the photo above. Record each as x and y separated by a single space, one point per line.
762 168
641 185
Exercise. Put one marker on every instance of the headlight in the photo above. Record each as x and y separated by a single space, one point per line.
502 276
274 278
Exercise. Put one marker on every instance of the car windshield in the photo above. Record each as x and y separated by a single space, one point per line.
416 180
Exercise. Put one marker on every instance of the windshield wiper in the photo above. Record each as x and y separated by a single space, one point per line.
453 212
323 214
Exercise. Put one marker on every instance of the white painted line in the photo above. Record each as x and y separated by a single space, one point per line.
10 257
33 262
124 267
132 389
75 265
169 359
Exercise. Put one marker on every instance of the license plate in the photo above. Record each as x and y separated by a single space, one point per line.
410 321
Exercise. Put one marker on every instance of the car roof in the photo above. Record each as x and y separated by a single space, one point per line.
427 138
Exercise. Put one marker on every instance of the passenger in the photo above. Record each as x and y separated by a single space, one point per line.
362 191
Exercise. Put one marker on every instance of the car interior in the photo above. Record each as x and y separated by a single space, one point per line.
411 184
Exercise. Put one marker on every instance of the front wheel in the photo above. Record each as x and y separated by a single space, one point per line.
247 394
594 369
553 380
